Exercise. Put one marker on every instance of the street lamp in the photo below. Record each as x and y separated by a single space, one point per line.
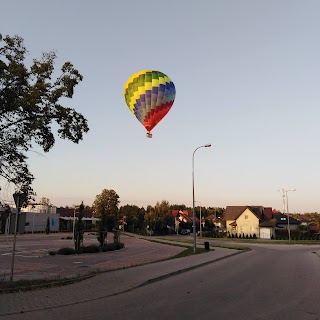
200 219
288 210
74 220
193 215
286 206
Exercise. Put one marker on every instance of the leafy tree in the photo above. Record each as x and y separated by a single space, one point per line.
159 217
134 216
105 207
45 201
30 104
178 207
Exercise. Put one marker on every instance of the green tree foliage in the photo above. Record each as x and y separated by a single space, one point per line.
178 207
30 104
159 217
105 207
133 215
45 201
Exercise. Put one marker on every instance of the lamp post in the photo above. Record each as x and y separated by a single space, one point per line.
200 219
286 206
193 214
288 211
74 220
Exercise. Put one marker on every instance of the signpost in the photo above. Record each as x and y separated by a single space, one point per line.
19 199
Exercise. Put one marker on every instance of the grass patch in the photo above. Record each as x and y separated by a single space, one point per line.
166 241
188 252
27 285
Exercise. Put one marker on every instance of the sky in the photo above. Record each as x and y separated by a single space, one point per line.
247 77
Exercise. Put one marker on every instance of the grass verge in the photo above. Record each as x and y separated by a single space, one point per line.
27 285
234 247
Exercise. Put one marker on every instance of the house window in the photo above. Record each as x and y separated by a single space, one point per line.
246 217
284 219
27 224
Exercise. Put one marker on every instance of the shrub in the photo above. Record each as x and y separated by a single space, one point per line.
66 251
254 236
91 249
112 246
52 253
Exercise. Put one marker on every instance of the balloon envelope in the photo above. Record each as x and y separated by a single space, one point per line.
149 95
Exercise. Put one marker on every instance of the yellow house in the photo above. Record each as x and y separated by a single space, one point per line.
243 220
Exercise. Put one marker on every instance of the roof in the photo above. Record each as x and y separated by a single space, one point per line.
282 219
175 213
302 218
267 212
184 215
69 212
268 223
233 212
258 211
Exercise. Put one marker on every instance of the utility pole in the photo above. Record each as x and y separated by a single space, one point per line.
286 206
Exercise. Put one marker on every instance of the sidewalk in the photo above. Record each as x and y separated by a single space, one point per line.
106 284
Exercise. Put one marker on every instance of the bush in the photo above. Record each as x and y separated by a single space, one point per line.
112 246
52 253
66 251
91 249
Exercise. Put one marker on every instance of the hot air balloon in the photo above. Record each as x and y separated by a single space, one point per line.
149 95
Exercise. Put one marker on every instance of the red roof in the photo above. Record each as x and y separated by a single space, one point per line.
175 213
184 214
267 212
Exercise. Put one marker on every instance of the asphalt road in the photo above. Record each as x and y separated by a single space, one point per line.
269 282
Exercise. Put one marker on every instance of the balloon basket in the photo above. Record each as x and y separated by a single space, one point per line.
149 135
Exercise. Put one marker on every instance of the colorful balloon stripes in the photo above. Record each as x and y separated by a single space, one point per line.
149 95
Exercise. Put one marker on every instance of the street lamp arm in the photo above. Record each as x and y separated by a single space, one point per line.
193 215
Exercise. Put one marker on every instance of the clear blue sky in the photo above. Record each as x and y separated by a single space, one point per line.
247 77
